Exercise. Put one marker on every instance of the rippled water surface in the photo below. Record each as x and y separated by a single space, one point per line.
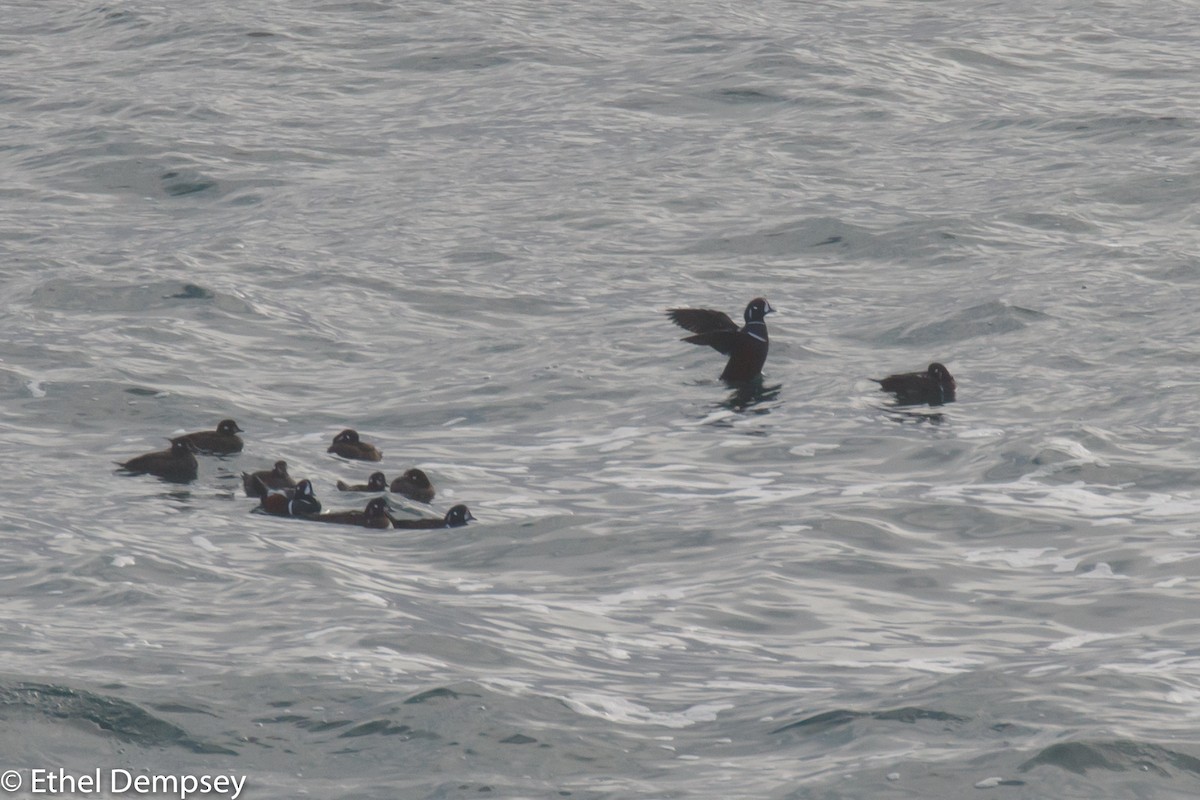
455 227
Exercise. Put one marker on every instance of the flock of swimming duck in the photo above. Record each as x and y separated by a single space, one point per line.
745 346
280 494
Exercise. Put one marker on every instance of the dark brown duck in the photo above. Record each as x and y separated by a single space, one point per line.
375 515
259 483
176 463
456 517
934 386
347 445
377 482
415 485
223 441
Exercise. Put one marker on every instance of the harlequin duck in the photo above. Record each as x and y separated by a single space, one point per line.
376 483
934 386
177 463
746 348
375 515
222 441
414 484
298 502
347 445
456 517
258 483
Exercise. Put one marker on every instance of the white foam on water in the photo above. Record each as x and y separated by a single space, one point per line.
621 710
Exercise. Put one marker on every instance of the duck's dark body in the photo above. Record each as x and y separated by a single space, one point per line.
259 483
223 441
375 515
934 386
414 484
298 502
376 483
456 517
347 445
746 346
177 463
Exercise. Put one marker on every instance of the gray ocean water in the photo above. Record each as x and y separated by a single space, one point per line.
455 227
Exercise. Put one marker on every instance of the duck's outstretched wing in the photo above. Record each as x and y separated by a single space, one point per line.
712 328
